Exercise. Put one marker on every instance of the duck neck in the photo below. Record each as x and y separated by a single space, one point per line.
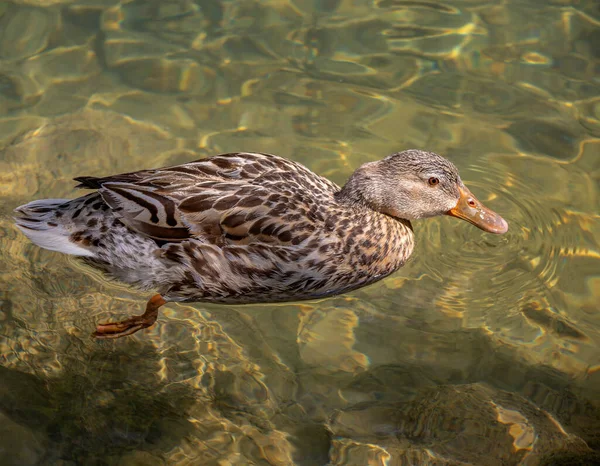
364 189
361 188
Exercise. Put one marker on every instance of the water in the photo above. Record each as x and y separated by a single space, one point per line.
482 350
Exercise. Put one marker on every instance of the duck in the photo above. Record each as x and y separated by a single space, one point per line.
246 227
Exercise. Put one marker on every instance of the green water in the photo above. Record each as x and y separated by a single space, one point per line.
483 350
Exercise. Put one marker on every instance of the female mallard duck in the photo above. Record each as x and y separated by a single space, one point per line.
248 228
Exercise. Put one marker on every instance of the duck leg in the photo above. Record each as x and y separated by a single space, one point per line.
133 324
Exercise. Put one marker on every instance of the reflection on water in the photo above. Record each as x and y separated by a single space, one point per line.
482 350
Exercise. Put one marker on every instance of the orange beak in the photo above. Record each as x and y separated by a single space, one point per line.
470 209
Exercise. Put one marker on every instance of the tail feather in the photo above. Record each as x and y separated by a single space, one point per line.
38 221
90 182
41 206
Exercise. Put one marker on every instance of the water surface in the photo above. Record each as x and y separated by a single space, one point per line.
482 350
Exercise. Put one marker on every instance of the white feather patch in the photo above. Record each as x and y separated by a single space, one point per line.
54 239
34 225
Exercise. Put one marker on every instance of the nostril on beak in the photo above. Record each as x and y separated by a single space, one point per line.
471 203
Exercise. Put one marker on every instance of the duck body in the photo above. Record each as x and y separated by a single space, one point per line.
233 228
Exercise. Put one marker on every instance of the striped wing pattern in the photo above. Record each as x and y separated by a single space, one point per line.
239 198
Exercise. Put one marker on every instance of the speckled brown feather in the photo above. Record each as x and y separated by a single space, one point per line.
235 228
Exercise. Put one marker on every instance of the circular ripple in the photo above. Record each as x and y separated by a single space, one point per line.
480 271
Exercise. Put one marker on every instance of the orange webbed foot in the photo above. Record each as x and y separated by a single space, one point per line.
131 325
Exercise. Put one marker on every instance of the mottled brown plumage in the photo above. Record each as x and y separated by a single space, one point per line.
249 228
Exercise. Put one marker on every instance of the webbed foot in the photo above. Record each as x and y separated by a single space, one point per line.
131 325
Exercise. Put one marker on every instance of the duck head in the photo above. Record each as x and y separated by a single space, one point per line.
416 184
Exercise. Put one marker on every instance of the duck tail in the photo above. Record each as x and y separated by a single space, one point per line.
38 220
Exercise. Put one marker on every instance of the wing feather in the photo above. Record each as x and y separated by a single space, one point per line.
239 198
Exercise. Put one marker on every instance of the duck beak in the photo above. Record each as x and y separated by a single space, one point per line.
470 209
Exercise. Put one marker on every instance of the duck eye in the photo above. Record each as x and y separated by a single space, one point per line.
433 181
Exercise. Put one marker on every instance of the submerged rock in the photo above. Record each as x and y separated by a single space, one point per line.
25 31
473 424
20 445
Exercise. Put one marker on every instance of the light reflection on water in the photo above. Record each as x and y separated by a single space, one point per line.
481 350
